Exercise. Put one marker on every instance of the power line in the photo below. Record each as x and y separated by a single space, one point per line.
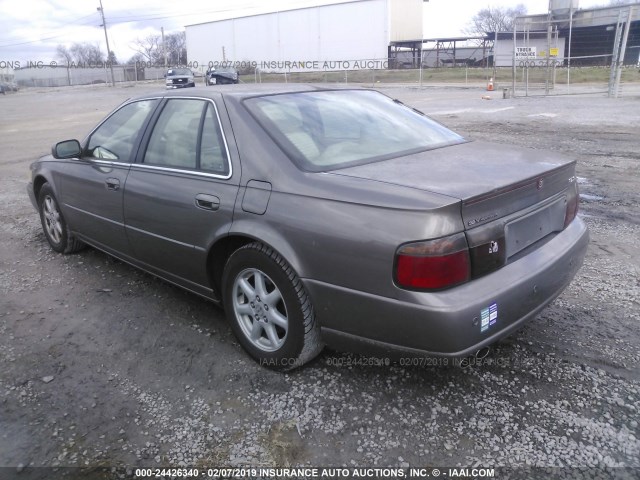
122 19
161 16
49 37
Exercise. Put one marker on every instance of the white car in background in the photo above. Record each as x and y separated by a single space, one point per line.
180 78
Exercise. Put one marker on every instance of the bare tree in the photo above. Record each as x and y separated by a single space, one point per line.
80 55
176 45
495 19
150 48
86 54
63 54
137 58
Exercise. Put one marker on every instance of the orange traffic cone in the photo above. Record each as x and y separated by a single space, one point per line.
490 85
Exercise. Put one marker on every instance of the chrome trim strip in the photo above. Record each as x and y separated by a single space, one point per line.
109 163
141 166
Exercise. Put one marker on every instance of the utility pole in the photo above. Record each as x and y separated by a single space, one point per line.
569 53
106 37
164 48
549 29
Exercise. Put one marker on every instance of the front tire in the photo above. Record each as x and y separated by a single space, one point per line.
268 308
54 224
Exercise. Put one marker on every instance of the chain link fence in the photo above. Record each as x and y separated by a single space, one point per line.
542 56
50 75
566 55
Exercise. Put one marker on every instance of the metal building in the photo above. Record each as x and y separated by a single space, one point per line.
330 36
586 36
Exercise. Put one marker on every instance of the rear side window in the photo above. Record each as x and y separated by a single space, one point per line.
187 136
116 137
213 151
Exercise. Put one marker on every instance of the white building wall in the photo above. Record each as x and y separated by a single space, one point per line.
315 38
297 36
354 31
405 20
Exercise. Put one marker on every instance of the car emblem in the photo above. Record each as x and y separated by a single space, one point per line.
475 221
540 183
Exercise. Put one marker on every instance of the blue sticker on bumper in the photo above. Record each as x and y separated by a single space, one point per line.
488 317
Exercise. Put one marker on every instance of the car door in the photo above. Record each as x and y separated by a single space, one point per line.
180 193
91 187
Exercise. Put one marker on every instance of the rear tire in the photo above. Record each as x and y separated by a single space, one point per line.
54 224
268 308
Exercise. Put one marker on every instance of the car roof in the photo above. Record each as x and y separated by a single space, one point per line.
246 90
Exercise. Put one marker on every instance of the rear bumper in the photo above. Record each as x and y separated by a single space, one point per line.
450 323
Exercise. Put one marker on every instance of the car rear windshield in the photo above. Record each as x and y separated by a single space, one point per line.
328 130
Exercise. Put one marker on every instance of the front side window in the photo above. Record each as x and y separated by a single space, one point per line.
188 136
327 130
116 137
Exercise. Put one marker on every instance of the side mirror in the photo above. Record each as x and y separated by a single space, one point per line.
67 149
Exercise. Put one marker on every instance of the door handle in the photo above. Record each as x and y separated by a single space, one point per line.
112 183
207 202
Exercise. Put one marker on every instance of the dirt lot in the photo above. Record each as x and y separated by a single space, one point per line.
102 365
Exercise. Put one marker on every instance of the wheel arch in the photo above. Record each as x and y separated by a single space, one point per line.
38 182
222 249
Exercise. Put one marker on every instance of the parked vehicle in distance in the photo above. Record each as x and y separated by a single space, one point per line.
321 216
8 87
222 75
180 78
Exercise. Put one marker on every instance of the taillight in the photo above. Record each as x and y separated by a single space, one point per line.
433 264
572 207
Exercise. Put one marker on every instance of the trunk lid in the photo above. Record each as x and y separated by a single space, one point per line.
492 181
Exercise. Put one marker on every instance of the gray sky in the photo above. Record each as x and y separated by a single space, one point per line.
30 30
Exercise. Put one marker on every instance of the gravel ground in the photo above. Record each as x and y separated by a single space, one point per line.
105 366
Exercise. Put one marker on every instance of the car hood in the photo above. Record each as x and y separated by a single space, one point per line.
486 177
